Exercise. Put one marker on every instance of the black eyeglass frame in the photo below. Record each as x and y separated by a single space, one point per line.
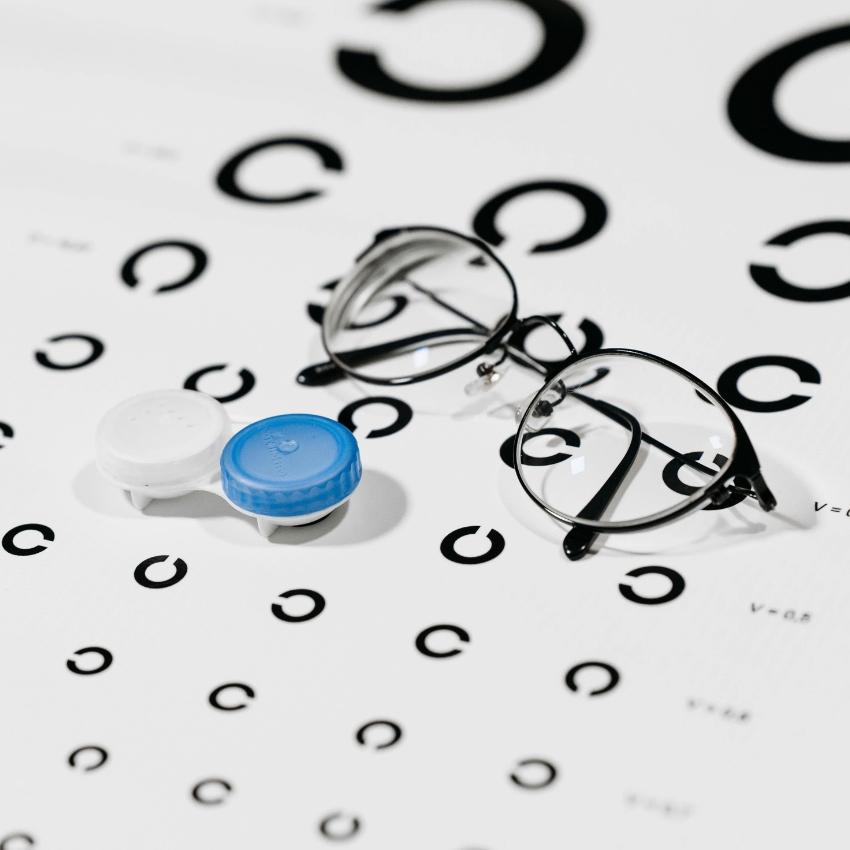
506 326
743 464
742 475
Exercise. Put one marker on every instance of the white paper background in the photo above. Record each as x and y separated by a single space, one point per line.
116 118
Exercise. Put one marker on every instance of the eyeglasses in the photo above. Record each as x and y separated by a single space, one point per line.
647 442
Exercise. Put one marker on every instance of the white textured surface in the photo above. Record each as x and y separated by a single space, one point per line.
116 119
162 439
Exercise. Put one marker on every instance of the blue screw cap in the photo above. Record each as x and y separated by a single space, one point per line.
290 465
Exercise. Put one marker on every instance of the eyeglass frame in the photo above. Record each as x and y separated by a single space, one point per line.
743 464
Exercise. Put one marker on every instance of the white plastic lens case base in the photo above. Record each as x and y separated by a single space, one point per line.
166 444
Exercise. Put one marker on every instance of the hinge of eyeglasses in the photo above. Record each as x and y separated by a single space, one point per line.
723 496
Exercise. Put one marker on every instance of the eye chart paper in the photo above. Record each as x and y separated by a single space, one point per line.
181 184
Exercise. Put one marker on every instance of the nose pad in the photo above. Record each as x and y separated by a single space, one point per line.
540 416
544 409
488 377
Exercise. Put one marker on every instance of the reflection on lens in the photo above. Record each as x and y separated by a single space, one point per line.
643 442
417 302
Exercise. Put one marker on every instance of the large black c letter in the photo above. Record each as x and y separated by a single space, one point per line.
769 279
595 214
226 179
752 110
564 32
727 383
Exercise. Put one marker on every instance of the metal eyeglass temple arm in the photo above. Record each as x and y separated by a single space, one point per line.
578 541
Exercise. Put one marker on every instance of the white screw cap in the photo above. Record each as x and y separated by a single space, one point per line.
164 439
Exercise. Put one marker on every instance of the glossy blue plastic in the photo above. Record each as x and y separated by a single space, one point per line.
290 465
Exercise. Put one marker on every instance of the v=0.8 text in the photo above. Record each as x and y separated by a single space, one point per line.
789 616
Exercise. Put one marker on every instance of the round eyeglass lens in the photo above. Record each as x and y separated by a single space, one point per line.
620 441
416 303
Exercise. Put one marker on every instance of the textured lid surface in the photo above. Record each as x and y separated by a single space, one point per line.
166 438
290 465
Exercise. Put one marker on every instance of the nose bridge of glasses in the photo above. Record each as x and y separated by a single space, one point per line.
524 326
